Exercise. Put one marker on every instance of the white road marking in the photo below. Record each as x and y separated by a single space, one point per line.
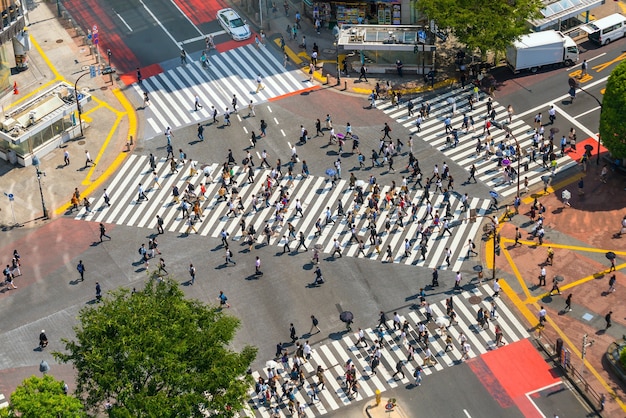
582 127
589 60
159 23
557 99
587 112
187 17
200 38
123 21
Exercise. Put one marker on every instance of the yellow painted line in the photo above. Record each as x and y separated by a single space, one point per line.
576 283
103 148
107 105
589 367
57 77
519 304
551 189
532 319
129 110
516 271
576 74
93 109
413 90
607 64
568 247
132 131
317 75
292 55
87 119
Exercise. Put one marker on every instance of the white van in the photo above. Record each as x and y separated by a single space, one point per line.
607 29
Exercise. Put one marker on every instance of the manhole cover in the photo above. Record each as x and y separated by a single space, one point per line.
84 67
104 88
475 300
85 89
59 41
81 142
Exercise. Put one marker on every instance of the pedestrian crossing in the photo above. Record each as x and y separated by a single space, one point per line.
315 194
464 154
234 72
333 356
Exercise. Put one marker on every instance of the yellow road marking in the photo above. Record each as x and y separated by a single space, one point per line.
516 272
576 74
522 307
568 247
87 181
551 189
292 55
607 64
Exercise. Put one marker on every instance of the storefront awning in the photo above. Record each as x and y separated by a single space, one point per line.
560 10
384 37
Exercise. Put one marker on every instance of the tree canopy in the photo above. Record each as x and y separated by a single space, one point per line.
482 25
612 127
156 353
43 397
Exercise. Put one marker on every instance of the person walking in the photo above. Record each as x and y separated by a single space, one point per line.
542 277
81 270
314 325
418 375
228 257
496 288
301 243
607 318
66 158
292 333
568 303
257 266
612 284
159 224
162 266
141 193
223 299
98 292
382 320
399 369
103 232
88 159
192 274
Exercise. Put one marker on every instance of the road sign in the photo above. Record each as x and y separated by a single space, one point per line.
94 31
10 196
95 28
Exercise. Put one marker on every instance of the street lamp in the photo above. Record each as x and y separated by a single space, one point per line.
80 120
338 65
39 174
496 236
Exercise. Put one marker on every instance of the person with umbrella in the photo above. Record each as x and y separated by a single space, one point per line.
348 318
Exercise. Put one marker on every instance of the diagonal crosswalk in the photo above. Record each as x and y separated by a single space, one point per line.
333 356
234 72
315 194
464 154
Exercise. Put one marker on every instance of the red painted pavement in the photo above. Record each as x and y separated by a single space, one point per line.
146 72
580 149
294 93
46 249
512 371
87 13
201 11
232 44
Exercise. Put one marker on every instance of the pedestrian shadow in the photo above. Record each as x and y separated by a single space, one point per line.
60 166
312 285
197 141
74 282
253 276
187 283
92 301
221 266
601 332
337 336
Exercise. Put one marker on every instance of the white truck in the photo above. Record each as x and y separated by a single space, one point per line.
538 49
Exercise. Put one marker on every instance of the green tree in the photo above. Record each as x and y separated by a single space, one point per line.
612 127
156 353
482 25
43 397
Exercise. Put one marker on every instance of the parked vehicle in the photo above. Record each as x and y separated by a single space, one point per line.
604 31
540 49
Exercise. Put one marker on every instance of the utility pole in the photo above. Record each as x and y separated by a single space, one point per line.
584 352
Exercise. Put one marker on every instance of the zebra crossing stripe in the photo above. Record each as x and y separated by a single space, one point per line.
333 355
315 194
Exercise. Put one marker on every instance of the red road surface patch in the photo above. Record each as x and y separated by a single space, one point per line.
201 11
146 72
294 93
47 248
580 149
515 369
232 44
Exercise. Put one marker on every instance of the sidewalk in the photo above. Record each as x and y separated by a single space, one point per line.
57 55
580 235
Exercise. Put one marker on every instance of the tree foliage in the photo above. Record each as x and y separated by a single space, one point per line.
43 397
155 353
483 25
612 126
